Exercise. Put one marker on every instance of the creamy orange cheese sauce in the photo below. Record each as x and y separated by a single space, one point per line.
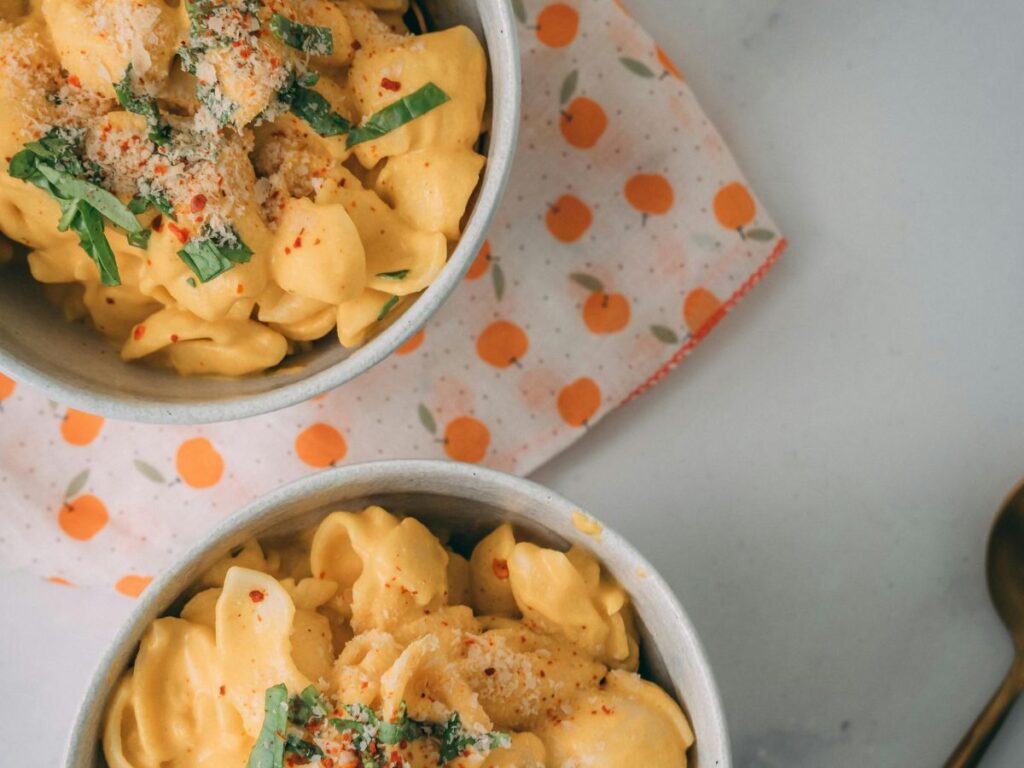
534 649
229 126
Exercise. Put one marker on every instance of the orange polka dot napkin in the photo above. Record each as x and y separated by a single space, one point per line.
626 234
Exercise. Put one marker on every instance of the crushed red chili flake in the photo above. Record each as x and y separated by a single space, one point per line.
109 300
500 568
223 690
157 224
178 232
174 338
257 595
298 241
75 81
356 45
489 671
390 85
139 332
198 203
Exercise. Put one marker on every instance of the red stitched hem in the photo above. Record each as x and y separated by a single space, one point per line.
702 332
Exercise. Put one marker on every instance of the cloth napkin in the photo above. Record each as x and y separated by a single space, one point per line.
626 234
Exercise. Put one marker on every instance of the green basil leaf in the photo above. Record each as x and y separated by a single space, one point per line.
308 38
455 740
400 274
107 204
301 747
140 203
310 106
268 751
402 730
88 225
140 239
138 105
307 706
388 306
210 255
22 165
395 115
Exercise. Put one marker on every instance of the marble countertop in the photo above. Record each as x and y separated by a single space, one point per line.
817 481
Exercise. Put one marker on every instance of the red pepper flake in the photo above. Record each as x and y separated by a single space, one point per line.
257 595
489 671
607 710
178 232
390 85
109 300
500 568
160 170
198 203
356 45
223 690
317 241
287 250
298 241
139 332
174 338
240 289
157 224
75 81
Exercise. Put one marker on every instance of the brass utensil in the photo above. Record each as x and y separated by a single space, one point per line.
1004 568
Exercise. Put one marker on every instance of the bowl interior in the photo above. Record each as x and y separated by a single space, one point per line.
75 365
468 503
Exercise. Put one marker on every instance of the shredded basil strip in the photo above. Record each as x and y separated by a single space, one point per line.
53 165
388 306
301 747
395 115
268 751
400 274
210 255
455 739
308 38
140 203
308 105
308 705
159 131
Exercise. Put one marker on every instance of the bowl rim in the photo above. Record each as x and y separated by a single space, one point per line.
553 511
502 44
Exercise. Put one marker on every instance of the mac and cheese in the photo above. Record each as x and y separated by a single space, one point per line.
367 642
215 184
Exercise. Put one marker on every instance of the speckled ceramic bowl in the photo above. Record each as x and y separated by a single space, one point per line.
468 502
75 365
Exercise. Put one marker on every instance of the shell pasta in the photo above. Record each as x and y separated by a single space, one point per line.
368 643
215 184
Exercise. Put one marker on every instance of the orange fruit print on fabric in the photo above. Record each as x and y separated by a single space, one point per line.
79 428
6 387
606 312
199 464
320 446
734 207
415 342
700 306
579 401
132 585
583 122
568 219
481 263
502 344
557 25
467 439
650 193
83 518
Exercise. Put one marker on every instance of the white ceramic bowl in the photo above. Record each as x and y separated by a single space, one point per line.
469 502
73 364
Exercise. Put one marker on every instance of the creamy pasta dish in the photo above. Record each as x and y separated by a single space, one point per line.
215 184
367 643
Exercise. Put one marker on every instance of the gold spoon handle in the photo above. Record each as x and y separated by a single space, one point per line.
972 746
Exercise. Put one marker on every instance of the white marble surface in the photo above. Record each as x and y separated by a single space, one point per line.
816 481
